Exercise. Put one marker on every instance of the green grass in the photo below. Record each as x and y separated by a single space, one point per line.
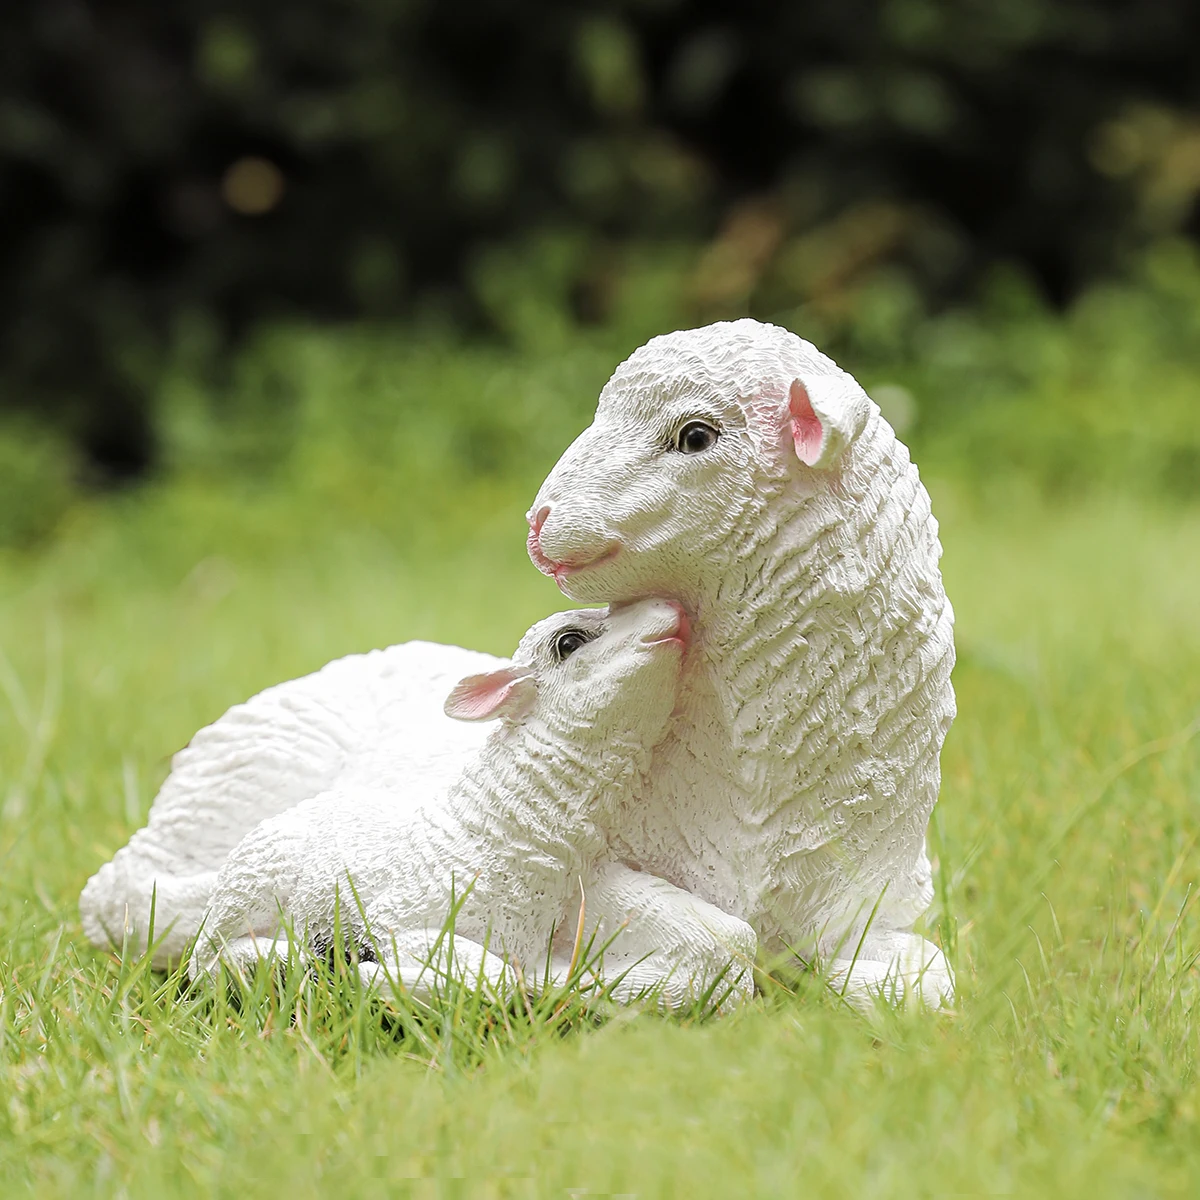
1067 836
348 490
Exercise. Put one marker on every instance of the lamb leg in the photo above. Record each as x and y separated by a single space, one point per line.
665 941
896 966
423 961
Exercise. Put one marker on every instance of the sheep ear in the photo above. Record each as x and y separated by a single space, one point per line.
822 417
503 693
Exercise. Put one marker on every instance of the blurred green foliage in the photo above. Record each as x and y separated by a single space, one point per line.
1006 392
217 165
37 482
1005 395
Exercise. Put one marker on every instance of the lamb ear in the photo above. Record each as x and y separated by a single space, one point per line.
507 692
822 416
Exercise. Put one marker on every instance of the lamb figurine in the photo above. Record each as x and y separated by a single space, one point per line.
521 832
739 469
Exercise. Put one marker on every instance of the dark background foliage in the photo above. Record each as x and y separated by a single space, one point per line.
223 164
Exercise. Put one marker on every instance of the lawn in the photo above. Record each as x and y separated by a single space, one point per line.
1067 842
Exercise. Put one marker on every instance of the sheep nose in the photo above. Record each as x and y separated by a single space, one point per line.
537 519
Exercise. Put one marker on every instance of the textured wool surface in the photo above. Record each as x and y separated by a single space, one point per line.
795 785
371 721
518 837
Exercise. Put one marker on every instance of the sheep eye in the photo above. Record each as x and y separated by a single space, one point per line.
568 642
695 437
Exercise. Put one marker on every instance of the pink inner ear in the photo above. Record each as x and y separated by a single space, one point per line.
479 697
806 425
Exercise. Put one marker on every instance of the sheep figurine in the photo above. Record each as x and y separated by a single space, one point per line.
518 835
736 468
739 469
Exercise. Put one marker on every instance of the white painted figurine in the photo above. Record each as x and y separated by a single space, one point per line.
738 470
520 835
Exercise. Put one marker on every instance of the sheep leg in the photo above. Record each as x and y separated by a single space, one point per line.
424 960
664 941
242 954
252 897
896 966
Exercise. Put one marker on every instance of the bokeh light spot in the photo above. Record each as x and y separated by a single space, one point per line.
252 186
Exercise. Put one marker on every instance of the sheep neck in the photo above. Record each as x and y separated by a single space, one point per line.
825 655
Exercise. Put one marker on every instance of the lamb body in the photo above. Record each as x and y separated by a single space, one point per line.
519 832
364 723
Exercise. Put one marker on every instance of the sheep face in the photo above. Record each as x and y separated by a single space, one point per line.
612 676
694 436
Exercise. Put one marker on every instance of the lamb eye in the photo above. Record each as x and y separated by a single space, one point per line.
568 642
695 437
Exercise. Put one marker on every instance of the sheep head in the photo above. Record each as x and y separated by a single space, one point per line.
611 676
694 435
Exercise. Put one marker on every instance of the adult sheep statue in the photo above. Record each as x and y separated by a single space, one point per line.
736 469
740 470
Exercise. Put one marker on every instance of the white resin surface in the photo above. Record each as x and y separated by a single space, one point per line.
371 721
793 787
518 839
